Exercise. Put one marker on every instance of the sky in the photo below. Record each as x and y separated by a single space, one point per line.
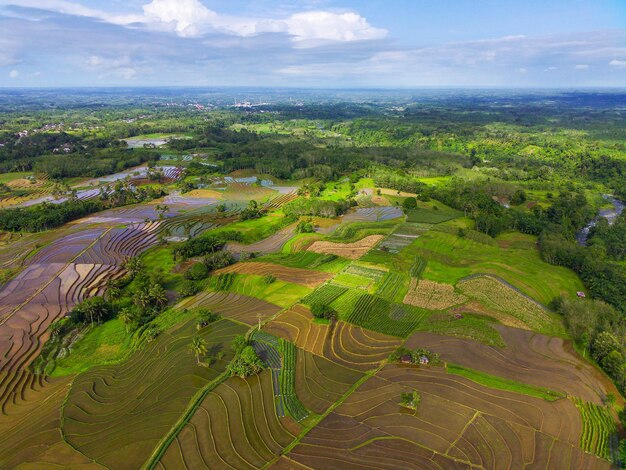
313 43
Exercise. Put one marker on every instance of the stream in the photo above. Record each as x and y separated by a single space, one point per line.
609 214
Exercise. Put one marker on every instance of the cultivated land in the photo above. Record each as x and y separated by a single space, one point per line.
123 331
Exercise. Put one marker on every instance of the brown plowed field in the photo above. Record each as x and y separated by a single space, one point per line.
458 424
30 422
233 306
346 250
342 343
528 357
235 427
304 277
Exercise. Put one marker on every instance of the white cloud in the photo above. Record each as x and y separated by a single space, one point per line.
14 74
191 18
188 17
581 67
620 64
332 26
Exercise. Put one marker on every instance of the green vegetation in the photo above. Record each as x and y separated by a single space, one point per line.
500 383
598 428
288 381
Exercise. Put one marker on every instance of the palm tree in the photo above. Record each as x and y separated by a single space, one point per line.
198 347
158 295
126 315
112 292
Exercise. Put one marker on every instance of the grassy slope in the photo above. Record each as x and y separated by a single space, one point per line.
500 383
451 258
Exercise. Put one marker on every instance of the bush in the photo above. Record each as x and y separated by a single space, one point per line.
305 226
197 272
188 288
218 260
409 203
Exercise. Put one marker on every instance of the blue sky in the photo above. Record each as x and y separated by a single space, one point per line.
313 43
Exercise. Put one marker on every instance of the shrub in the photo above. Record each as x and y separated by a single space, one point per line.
409 203
196 272
218 260
188 288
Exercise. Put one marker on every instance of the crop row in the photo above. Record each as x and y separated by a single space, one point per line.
325 294
598 427
374 274
417 268
288 382
393 287
377 314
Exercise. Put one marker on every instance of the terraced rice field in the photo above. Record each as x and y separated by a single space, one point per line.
232 306
235 427
346 250
272 244
528 357
131 406
320 382
303 277
373 214
30 421
458 424
344 344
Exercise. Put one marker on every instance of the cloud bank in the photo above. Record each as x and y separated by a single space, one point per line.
184 42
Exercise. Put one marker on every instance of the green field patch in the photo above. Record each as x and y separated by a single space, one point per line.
99 345
432 214
374 274
294 407
393 287
352 280
281 293
324 294
451 258
344 304
255 230
355 231
599 428
307 260
500 296
501 383
476 327
377 314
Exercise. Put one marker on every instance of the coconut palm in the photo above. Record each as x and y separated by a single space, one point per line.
127 316
198 347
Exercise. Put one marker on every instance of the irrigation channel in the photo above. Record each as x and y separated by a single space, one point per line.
610 214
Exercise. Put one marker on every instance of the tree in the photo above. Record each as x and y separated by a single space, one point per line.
603 345
246 363
158 295
112 292
133 265
409 203
93 310
239 343
323 311
127 316
198 347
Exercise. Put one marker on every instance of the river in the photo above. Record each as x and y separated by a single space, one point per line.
609 214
